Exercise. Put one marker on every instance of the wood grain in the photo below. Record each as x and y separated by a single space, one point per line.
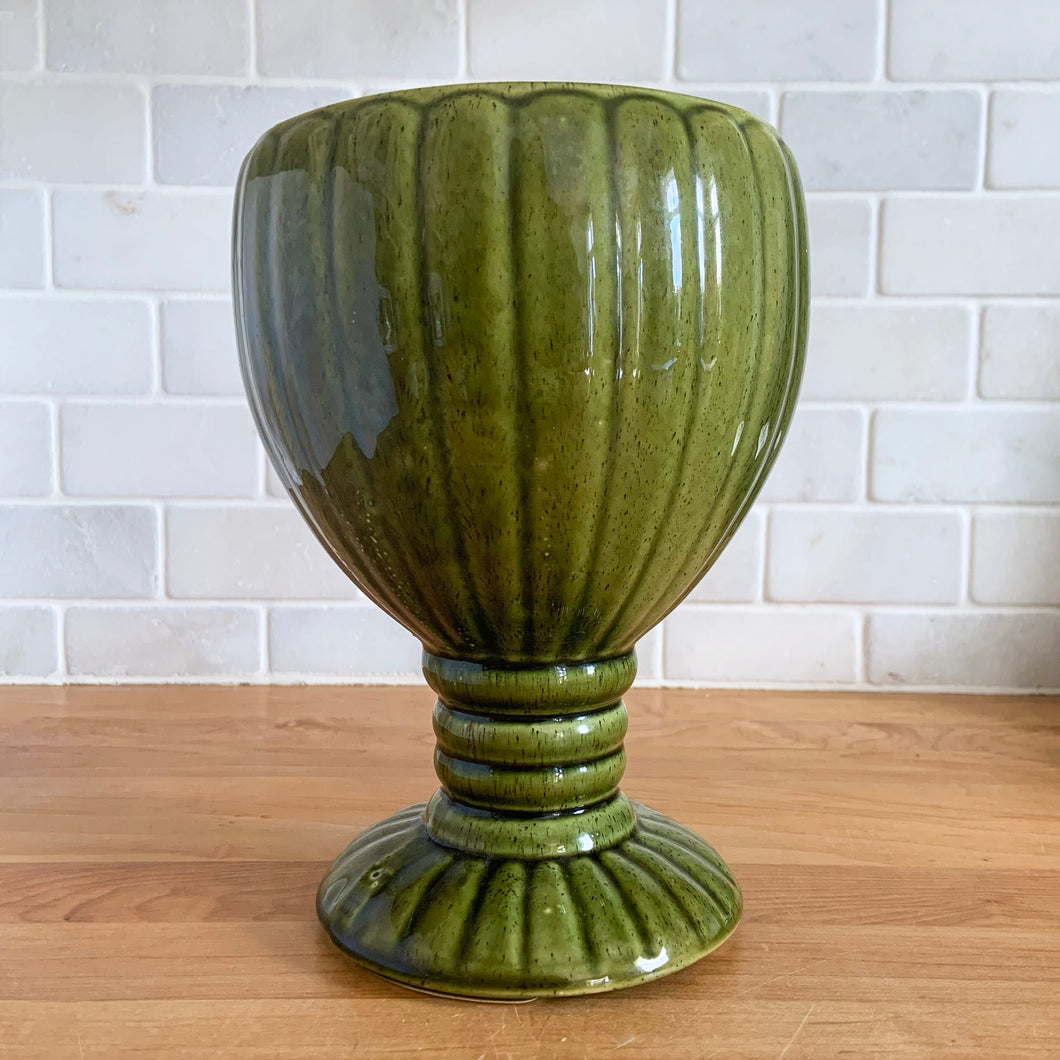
160 849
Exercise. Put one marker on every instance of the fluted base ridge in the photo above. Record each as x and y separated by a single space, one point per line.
447 920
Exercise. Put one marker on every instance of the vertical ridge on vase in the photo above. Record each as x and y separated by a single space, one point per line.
365 264
676 359
326 372
553 926
561 214
467 273
405 477
336 383
792 325
720 514
663 865
268 307
703 452
522 469
616 522
579 634
775 343
415 896
298 260
502 907
609 921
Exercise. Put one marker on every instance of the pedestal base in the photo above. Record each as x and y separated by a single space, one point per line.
441 919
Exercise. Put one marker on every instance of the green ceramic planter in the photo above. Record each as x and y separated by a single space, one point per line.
523 355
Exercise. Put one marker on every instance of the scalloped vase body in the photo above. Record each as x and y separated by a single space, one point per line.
523 355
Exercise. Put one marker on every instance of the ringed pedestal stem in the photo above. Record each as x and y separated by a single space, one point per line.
529 873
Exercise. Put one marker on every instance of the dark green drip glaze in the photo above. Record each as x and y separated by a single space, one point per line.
524 355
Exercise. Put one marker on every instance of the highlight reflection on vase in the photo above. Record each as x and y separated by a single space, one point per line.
523 354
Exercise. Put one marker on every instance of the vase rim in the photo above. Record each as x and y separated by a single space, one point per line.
519 90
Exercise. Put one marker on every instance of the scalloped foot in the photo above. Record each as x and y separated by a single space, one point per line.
440 919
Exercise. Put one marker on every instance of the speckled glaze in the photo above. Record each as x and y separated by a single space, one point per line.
523 355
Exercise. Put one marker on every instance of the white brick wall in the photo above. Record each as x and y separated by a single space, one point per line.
910 533
21 238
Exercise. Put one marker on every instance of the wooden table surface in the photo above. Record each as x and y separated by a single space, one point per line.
160 849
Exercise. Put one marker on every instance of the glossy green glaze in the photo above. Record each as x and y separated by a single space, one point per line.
523 354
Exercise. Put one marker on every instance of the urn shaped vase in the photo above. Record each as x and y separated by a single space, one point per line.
523 355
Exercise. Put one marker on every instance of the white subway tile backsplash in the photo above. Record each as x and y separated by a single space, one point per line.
67 551
341 642
776 40
648 653
840 233
147 36
760 646
567 40
199 348
875 139
143 239
874 352
1024 153
73 131
162 641
18 35
990 455
28 642
181 451
273 486
737 574
203 132
829 556
67 346
25 449
21 238
254 553
1016 558
121 129
1019 355
989 245
375 38
954 40
963 649
821 458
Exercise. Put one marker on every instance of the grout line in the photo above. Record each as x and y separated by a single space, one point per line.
262 471
42 40
361 603
56 440
270 503
670 72
974 354
861 662
987 103
49 241
161 544
764 542
883 25
154 310
464 40
875 247
63 662
1034 194
383 82
865 470
966 557
143 399
264 652
252 40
